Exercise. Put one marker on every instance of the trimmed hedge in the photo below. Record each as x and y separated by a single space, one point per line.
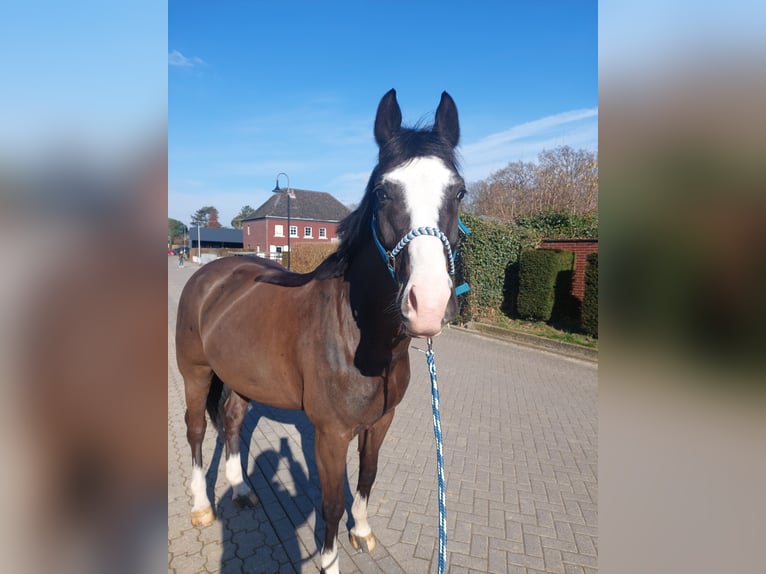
561 224
307 256
490 248
539 272
590 302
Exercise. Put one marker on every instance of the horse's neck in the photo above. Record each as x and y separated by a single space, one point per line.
373 295
375 318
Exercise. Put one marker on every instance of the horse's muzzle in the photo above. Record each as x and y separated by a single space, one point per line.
428 299
426 308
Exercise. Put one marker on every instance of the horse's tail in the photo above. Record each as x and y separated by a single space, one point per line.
216 397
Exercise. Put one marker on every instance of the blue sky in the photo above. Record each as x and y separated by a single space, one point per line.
85 75
257 88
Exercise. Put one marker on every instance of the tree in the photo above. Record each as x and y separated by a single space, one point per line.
564 180
505 194
176 230
245 212
567 180
212 220
205 217
199 217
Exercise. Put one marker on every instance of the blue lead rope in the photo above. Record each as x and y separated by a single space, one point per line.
439 459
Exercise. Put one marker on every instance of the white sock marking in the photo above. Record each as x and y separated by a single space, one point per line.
198 489
330 560
359 512
234 476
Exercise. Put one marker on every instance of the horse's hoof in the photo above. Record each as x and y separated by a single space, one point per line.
363 543
249 500
203 517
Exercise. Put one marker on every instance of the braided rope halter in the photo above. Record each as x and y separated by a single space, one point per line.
389 257
417 232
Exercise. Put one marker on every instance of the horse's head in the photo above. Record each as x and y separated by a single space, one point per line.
416 190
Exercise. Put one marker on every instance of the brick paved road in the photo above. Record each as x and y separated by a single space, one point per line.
520 447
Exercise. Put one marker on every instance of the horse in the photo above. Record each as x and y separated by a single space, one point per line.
333 342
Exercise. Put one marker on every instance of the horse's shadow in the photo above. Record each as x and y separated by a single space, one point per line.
266 537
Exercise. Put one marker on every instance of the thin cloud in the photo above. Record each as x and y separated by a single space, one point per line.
576 128
176 58
349 187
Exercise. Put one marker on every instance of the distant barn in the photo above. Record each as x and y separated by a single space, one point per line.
216 237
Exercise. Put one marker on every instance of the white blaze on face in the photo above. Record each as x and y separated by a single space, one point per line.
424 181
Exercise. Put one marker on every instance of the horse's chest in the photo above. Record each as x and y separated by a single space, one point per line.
367 399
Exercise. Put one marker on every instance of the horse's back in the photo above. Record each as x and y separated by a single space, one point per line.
231 319
225 278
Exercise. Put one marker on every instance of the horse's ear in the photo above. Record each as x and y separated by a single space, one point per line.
446 122
388 119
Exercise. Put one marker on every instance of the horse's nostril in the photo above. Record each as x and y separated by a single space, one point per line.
413 300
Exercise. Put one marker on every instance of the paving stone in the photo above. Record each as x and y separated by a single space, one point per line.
467 561
497 562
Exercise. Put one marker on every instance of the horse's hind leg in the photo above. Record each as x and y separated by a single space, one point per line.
197 387
235 409
361 535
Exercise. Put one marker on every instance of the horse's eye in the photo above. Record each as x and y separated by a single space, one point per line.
381 193
460 194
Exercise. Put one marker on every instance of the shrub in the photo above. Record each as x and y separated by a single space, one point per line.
539 272
511 290
567 308
482 258
590 302
306 257
561 224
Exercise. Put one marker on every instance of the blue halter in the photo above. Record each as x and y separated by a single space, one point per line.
389 257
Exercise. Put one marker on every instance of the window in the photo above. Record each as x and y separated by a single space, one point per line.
248 230
322 233
307 232
279 231
293 231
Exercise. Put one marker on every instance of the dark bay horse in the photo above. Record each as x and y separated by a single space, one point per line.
333 342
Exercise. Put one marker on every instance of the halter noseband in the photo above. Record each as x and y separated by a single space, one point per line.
389 257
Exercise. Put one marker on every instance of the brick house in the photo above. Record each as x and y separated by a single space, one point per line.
314 218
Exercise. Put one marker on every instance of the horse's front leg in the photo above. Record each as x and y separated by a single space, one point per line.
361 535
331 448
